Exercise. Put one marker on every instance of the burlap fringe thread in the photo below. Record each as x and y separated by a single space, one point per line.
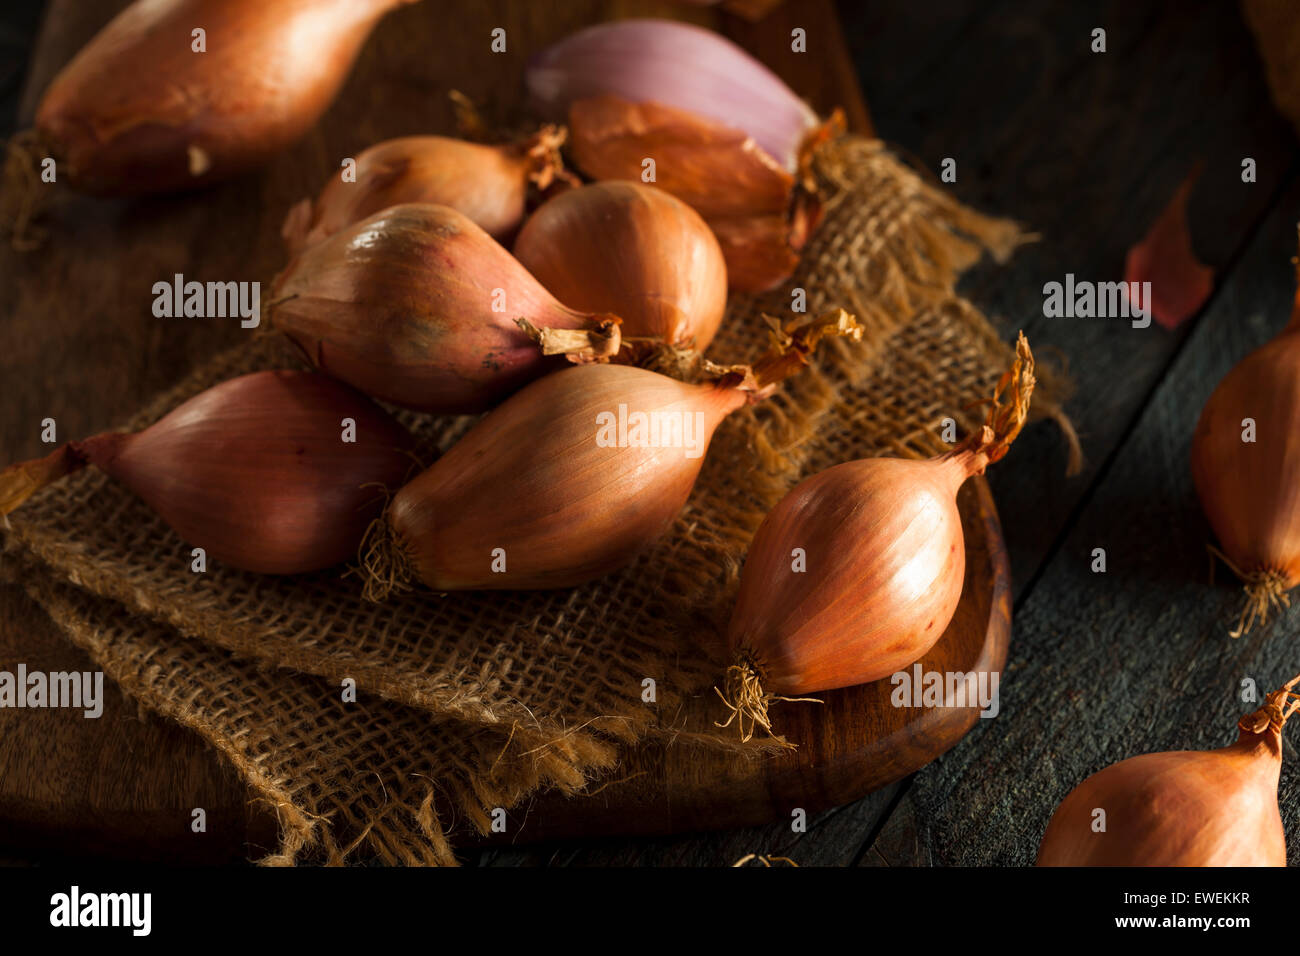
476 704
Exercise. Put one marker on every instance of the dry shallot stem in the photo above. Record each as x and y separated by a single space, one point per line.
789 351
682 362
832 129
22 195
1278 708
19 482
545 164
579 346
1004 420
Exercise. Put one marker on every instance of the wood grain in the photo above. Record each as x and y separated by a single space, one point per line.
1085 149
1138 659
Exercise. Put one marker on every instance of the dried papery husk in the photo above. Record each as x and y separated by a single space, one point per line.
488 184
269 71
763 251
681 66
885 559
761 212
628 249
716 169
256 471
1250 490
546 492
417 306
1182 808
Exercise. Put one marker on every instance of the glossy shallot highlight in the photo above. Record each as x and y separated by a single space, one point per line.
569 478
1182 808
418 306
266 73
885 563
276 472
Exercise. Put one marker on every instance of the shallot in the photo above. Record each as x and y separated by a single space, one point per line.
569 478
1246 467
417 306
857 571
1183 807
690 111
488 184
277 472
230 84
632 250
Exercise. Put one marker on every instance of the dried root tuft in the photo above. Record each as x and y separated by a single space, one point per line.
749 702
386 563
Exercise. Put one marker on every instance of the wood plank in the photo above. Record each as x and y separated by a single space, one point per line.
832 838
121 785
1138 659
1085 149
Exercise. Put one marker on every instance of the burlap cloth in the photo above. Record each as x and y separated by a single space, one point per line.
468 702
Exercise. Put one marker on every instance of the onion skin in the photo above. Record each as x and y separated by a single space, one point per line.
885 565
1250 491
400 305
487 184
254 470
761 251
681 66
530 478
716 169
759 214
1182 808
632 250
269 72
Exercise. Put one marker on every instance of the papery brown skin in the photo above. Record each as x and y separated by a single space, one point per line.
400 305
885 565
720 172
1250 491
632 250
531 479
138 111
758 251
762 251
255 470
1181 808
488 184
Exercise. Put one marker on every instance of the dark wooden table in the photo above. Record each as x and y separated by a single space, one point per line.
1086 149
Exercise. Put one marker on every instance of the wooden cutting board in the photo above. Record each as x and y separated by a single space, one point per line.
77 343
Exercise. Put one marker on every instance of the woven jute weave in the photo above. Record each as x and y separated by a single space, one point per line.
468 702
